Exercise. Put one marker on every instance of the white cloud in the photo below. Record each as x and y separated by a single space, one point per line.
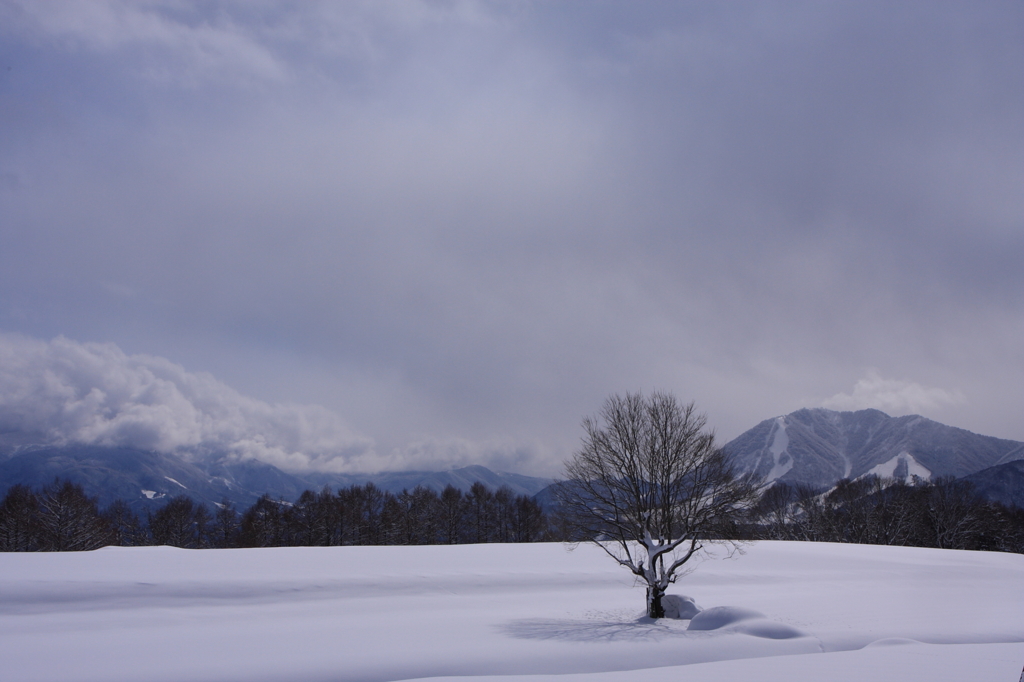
62 391
893 396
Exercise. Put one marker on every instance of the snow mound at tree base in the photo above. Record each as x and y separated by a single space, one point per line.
723 616
745 621
679 606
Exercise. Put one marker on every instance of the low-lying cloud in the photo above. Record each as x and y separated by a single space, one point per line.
63 391
894 396
432 454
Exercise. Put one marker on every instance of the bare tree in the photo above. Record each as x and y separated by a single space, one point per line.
504 514
479 513
449 510
650 488
69 520
226 525
125 526
419 522
19 522
891 519
527 519
951 514
262 524
776 512
181 523
310 519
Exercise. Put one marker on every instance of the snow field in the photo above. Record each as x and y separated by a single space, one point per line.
798 611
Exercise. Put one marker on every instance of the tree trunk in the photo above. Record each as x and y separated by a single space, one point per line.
654 607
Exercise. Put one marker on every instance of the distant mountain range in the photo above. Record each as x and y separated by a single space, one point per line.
146 480
1003 483
818 447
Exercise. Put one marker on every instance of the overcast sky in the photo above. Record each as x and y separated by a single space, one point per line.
457 227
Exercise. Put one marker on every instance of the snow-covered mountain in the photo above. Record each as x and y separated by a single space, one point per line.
147 479
819 446
143 479
811 446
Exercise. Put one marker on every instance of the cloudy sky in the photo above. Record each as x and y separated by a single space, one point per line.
363 235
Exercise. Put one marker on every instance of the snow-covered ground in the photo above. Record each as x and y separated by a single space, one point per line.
532 612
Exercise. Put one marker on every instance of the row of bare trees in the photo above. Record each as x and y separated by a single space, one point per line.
368 515
946 513
61 517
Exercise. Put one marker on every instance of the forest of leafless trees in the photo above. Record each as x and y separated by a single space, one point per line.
945 513
61 517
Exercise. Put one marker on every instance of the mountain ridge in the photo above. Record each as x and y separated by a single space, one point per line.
146 479
818 446
812 446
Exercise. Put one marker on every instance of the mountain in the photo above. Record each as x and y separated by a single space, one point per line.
1003 483
818 447
143 479
147 479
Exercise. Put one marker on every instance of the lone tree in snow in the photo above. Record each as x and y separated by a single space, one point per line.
651 489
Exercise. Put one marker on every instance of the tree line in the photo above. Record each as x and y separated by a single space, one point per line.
946 513
62 517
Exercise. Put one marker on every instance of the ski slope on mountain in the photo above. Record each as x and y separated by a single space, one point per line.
527 613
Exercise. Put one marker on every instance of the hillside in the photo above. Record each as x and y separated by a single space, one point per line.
1003 483
147 479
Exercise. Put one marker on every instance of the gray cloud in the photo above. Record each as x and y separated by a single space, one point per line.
470 222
